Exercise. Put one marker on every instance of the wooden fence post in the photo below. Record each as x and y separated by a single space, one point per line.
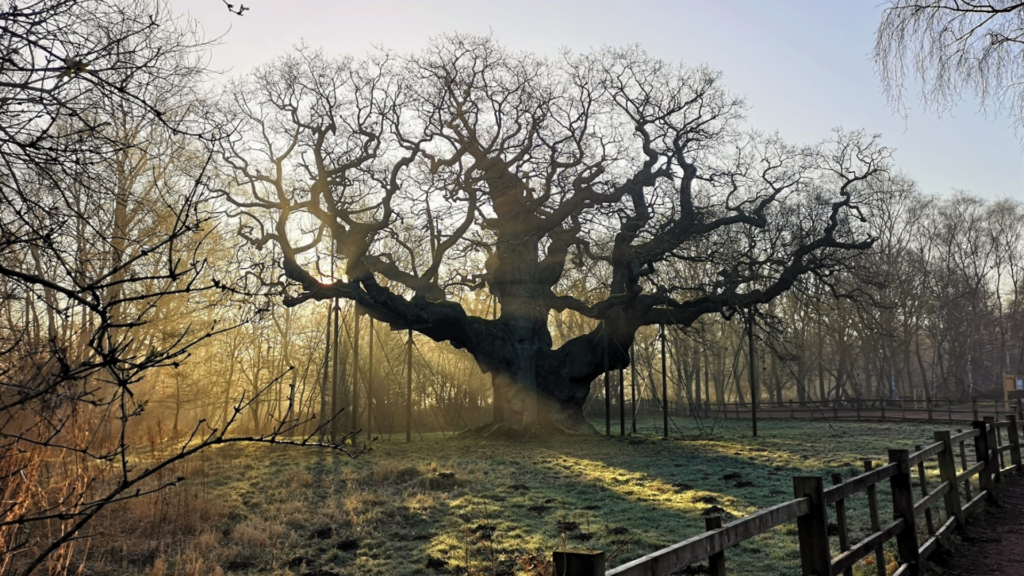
947 472
844 536
1001 457
882 403
903 507
812 528
922 481
974 407
982 454
876 523
716 562
572 562
1013 436
993 449
963 466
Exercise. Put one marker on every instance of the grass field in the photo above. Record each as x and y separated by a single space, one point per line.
466 506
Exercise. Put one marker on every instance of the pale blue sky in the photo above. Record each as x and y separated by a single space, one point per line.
804 66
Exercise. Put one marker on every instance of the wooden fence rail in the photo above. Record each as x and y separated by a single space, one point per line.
915 518
862 409
852 408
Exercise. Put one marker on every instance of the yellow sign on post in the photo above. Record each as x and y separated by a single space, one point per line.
1013 388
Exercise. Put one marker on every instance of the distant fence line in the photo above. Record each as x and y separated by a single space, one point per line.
874 409
850 409
967 479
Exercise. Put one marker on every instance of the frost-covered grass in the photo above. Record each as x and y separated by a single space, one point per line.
471 506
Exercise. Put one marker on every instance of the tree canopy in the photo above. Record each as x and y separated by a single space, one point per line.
950 48
611 185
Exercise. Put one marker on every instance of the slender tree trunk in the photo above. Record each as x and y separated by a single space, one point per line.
737 372
695 362
924 374
822 394
354 396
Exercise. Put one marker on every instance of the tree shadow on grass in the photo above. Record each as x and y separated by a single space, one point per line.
659 491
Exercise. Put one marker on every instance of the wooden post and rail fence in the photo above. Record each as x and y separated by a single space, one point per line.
867 409
963 488
917 410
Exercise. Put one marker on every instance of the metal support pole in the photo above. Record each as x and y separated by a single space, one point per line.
622 405
354 416
331 358
754 392
632 387
408 388
607 387
369 384
664 384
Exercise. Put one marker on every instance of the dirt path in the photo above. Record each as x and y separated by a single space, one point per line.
994 542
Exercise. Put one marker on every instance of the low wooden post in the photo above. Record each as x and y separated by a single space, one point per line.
844 536
949 410
993 449
812 528
947 472
903 409
716 562
963 466
903 507
574 562
981 454
882 404
1013 437
1000 455
922 480
876 522
974 407
928 405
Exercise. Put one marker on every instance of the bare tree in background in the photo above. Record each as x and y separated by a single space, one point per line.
103 222
952 48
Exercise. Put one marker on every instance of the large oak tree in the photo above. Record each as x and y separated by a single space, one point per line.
472 167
